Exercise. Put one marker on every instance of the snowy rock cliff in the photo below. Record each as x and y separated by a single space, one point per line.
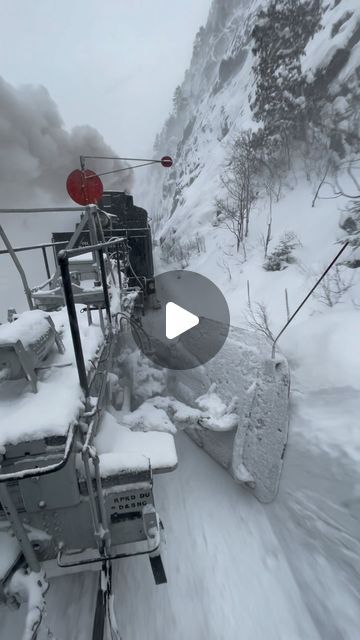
304 204
309 207
212 106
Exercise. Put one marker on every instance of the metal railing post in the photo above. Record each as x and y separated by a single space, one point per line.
18 266
73 321
104 241
46 262
19 529
105 286
118 266
91 213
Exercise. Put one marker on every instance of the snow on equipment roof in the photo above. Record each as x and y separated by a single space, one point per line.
28 328
121 448
27 416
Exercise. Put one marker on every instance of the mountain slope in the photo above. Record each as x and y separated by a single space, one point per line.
316 516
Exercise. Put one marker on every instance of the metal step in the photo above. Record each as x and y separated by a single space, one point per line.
158 570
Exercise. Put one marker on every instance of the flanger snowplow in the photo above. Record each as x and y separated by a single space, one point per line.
77 451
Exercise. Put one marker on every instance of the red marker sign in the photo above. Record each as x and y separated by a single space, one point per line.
84 187
166 161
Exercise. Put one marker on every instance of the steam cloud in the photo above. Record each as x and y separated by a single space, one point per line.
36 156
37 153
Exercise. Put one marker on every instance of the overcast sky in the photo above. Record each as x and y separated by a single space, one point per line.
112 64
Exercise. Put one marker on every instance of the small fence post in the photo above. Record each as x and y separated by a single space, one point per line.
118 266
248 293
308 296
18 266
287 305
105 286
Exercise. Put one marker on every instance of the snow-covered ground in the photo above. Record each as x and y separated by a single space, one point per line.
316 516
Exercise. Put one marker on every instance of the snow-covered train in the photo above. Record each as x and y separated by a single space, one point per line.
62 500
118 214
76 460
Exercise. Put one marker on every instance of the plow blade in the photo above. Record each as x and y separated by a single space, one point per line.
256 388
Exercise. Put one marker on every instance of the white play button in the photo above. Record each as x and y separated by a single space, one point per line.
178 320
190 325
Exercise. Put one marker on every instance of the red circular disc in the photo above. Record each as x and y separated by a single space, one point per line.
84 187
166 161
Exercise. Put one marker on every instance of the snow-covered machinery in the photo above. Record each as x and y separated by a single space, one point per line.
76 485
25 344
115 216
76 470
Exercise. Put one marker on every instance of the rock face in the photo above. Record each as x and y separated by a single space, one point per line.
213 105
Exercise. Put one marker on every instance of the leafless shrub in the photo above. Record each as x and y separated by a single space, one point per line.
334 286
257 319
172 250
224 265
321 183
352 169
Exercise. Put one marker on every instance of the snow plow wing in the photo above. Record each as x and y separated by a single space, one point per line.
255 387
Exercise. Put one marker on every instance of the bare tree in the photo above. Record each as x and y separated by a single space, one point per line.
270 180
321 183
258 320
351 168
224 265
172 249
266 239
334 286
239 182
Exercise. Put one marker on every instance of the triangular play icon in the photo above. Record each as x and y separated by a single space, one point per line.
178 320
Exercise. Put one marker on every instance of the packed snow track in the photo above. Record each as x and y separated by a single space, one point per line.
229 575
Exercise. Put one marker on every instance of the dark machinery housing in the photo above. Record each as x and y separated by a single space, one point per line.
120 217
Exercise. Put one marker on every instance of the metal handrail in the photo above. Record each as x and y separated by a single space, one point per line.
50 468
42 210
150 549
63 258
43 245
